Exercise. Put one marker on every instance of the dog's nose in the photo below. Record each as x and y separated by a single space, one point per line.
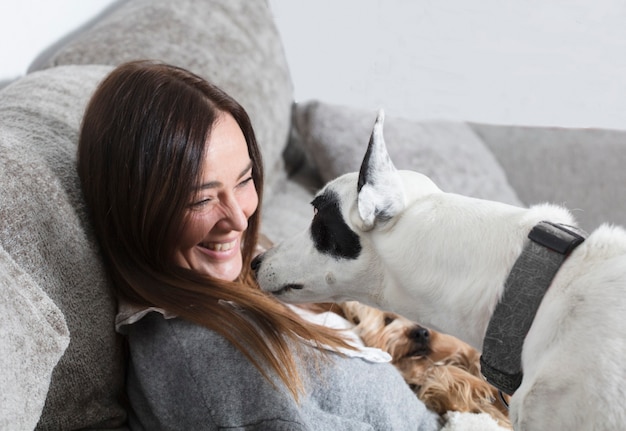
420 335
256 262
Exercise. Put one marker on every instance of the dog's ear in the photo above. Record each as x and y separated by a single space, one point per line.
380 190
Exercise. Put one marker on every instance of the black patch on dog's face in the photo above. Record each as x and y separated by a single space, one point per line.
329 231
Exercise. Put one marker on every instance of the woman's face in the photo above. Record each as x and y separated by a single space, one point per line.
219 209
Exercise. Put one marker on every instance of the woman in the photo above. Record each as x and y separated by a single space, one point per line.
173 177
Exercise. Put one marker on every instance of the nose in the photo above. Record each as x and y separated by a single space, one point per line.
420 335
234 215
256 262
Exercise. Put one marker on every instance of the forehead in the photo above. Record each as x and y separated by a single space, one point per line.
226 135
226 149
343 189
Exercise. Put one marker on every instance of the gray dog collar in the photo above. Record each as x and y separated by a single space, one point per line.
530 277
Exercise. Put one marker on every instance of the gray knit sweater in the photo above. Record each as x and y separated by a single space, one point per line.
182 376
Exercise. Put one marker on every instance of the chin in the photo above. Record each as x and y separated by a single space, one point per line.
229 271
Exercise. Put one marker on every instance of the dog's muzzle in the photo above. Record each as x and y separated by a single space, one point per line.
421 339
420 335
256 265
287 288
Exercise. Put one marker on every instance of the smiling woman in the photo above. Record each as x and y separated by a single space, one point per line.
210 242
172 176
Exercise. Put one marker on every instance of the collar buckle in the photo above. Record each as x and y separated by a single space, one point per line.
557 237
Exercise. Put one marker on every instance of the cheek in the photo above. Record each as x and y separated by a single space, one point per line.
195 229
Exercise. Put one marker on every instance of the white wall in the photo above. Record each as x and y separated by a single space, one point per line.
558 62
546 62
29 26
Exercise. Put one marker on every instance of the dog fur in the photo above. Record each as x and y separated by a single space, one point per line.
393 240
443 371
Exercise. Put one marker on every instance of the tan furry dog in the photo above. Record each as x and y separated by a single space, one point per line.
443 371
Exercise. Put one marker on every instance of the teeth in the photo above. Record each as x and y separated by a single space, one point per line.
220 246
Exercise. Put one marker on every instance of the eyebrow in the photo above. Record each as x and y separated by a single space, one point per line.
214 184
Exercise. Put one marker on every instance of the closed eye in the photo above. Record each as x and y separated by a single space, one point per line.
203 201
245 182
200 203
388 320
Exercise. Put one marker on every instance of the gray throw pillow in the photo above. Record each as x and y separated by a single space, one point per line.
334 138
46 235
34 336
233 43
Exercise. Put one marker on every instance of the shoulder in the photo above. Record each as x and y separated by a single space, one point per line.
191 377
190 352
160 332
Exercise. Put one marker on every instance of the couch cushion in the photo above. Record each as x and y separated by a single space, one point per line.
45 233
34 336
288 210
580 168
232 43
335 138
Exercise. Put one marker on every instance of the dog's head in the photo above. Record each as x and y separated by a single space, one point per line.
410 345
442 370
395 334
343 254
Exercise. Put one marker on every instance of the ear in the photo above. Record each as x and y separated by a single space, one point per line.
380 190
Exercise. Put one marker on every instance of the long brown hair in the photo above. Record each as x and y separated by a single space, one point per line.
140 151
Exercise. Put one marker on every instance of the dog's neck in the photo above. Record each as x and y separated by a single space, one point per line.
528 281
460 257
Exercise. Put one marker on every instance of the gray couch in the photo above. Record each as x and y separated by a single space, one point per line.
61 362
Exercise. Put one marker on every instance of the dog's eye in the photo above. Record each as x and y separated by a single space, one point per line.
389 319
415 388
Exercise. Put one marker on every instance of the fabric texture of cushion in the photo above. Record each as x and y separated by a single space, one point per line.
231 43
46 235
449 153
581 169
288 211
34 336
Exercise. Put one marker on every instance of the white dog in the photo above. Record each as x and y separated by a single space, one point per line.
393 240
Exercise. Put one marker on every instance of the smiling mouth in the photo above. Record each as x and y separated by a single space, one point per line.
288 288
218 246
